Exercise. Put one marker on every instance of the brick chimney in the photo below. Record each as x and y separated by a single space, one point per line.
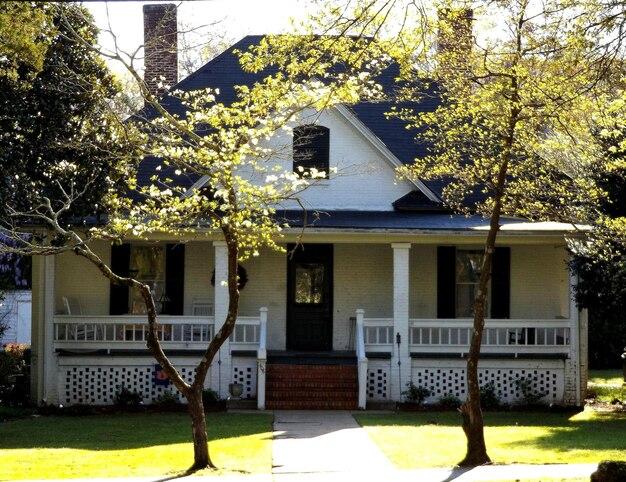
160 37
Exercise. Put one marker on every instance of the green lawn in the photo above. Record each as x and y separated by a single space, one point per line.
606 385
130 445
435 439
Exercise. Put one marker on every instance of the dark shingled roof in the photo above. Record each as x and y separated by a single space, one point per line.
224 72
406 220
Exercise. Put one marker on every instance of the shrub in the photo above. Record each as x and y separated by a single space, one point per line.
530 395
449 400
125 398
416 395
12 361
167 399
209 396
489 397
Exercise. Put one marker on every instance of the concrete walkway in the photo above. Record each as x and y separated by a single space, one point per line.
323 441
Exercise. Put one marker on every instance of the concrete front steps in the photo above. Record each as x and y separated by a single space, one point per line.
312 386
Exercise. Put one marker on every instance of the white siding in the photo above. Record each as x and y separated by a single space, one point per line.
423 281
267 286
539 282
363 278
199 266
364 181
79 278
15 313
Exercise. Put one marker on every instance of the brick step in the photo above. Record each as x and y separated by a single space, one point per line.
306 395
312 385
311 405
312 376
319 380
311 373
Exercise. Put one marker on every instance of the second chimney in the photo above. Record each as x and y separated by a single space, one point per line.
160 35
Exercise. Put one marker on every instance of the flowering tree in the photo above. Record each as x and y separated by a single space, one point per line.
229 149
511 136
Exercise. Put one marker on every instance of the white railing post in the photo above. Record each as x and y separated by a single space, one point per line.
261 359
361 358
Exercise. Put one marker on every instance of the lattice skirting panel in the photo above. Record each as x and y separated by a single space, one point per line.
98 384
378 380
447 377
245 372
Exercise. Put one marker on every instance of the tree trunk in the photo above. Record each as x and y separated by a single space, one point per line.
201 459
471 411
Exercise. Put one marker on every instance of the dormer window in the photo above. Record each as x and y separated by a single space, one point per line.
311 147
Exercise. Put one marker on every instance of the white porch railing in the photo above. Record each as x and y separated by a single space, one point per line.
453 336
131 331
378 334
246 332
361 358
95 332
514 336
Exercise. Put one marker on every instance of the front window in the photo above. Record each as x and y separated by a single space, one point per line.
468 266
309 283
147 265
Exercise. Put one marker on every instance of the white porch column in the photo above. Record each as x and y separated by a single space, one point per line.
221 369
261 359
50 369
576 364
401 359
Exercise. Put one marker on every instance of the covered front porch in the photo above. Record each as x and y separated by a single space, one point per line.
384 312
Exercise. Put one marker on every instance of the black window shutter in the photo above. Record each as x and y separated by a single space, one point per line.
501 283
120 264
175 278
446 282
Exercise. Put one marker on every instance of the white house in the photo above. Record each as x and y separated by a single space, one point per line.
379 295
15 313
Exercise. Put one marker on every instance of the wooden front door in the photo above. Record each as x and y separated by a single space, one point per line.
309 297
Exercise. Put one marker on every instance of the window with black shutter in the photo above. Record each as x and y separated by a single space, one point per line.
160 267
458 273
311 149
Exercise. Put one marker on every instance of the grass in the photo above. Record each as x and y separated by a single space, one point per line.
435 439
130 445
606 385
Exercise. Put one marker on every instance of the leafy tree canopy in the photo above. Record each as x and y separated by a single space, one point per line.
24 31
58 136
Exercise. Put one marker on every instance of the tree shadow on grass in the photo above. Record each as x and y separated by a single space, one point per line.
561 433
124 431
